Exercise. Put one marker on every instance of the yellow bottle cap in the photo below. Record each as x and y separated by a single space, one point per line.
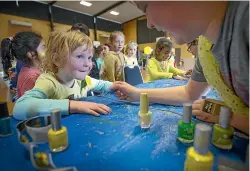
144 106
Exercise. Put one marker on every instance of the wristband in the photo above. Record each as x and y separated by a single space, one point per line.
212 106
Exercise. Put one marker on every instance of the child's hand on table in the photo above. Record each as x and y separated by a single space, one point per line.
88 107
201 115
125 91
177 77
188 73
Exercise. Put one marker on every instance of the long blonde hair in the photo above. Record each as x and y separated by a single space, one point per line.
129 45
62 44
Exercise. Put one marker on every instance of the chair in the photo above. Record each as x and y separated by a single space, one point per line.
132 75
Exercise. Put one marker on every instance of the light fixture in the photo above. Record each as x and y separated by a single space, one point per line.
20 23
88 4
114 13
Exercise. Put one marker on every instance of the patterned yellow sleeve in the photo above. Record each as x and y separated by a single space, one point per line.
213 76
97 85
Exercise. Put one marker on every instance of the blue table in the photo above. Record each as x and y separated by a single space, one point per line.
116 142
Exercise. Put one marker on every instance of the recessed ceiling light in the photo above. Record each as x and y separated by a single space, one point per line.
88 4
114 13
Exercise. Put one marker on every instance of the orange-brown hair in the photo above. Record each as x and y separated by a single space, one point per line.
62 44
114 34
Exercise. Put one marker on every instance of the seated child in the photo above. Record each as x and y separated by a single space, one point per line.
65 79
159 66
27 47
114 61
130 53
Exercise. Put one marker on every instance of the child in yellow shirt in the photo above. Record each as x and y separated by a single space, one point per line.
160 65
64 80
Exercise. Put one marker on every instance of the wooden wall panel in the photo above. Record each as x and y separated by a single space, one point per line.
129 30
39 26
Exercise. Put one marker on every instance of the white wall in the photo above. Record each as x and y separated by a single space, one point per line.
188 63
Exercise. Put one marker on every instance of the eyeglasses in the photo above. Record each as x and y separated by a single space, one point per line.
194 42
189 48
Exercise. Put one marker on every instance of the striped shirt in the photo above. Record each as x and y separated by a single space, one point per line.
26 80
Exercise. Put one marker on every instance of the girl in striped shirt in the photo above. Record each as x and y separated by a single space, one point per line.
27 47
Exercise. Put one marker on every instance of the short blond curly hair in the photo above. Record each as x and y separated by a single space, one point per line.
62 44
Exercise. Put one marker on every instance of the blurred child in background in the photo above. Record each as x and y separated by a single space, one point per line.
114 60
130 53
6 56
80 27
29 48
106 49
159 66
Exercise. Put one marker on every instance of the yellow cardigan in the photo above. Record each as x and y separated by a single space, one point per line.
156 72
112 68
